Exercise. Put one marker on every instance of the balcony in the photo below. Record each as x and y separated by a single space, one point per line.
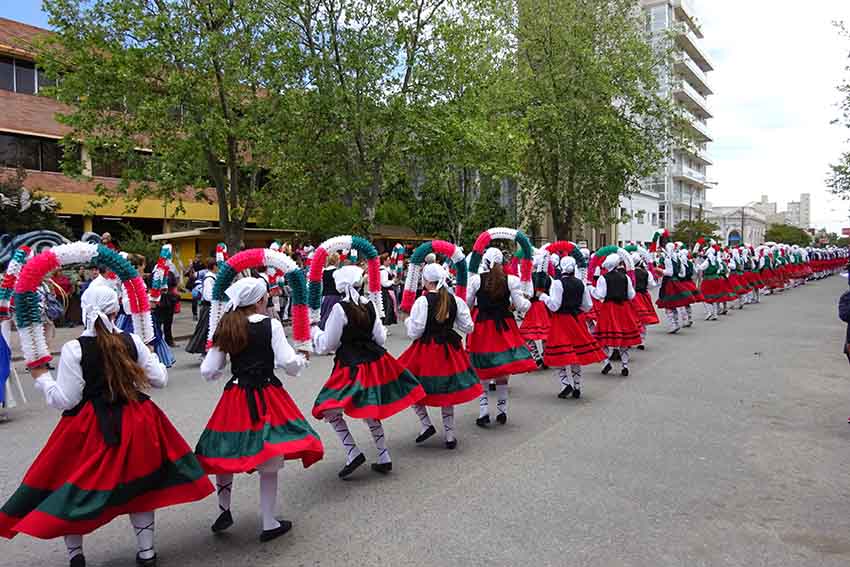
697 130
690 71
682 172
688 41
685 13
698 154
684 93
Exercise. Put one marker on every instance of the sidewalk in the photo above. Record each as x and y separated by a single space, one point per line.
182 329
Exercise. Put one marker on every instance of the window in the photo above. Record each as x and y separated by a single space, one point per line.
51 156
623 212
106 166
7 74
30 153
654 219
24 77
44 81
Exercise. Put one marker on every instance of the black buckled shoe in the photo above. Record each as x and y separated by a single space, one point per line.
268 535
483 421
427 434
78 561
502 418
149 562
565 393
352 466
451 445
607 368
382 468
624 372
576 393
224 521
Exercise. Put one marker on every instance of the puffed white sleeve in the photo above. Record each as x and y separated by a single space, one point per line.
284 355
327 341
472 287
521 303
379 332
154 369
586 300
703 266
553 299
651 281
668 267
213 364
600 290
386 280
66 391
415 324
207 289
463 319
630 290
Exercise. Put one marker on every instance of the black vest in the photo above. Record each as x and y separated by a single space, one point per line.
617 284
253 367
108 412
356 344
542 281
493 309
641 280
328 283
573 295
437 332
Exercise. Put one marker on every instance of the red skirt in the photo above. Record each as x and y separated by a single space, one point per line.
444 372
739 284
673 294
617 326
233 443
78 483
494 352
569 342
535 326
755 280
592 315
714 289
696 296
377 390
645 309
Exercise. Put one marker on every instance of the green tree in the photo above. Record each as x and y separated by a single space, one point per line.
487 213
590 81
197 85
138 242
22 210
690 232
787 234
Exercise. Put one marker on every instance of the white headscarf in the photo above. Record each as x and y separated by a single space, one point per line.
568 265
347 278
99 302
435 273
491 256
244 292
430 258
611 262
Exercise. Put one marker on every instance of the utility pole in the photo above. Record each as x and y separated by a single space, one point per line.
742 227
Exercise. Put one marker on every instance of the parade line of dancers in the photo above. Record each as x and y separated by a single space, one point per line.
114 452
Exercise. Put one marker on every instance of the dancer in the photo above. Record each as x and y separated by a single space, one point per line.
330 296
535 325
113 452
617 328
256 425
686 315
366 382
569 343
672 295
644 281
198 343
387 290
713 287
496 348
437 357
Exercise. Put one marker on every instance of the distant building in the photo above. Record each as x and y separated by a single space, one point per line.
638 217
735 222
798 213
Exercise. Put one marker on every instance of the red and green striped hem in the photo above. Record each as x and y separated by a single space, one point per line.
377 402
515 360
441 391
69 509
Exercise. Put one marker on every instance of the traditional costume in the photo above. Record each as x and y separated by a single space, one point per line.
108 456
569 343
495 346
388 295
255 426
330 296
617 329
714 291
366 382
535 324
198 343
645 309
437 357
673 295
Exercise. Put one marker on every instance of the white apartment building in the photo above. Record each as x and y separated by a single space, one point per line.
638 217
682 184
798 213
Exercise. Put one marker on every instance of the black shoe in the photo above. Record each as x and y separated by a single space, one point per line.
382 468
565 393
502 418
78 561
483 421
576 393
451 445
607 368
268 535
492 386
352 466
624 372
151 562
615 356
224 521
641 347
425 435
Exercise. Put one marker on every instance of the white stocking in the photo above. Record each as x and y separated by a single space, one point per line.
449 422
483 404
422 414
334 417
74 544
564 377
672 319
143 526
624 357
502 398
268 500
224 487
575 372
377 431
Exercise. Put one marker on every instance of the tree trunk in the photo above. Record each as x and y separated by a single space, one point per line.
234 234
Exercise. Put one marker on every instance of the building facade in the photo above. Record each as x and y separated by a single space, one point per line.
737 222
683 182
638 217
29 139
798 213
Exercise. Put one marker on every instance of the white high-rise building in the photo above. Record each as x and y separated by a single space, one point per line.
682 185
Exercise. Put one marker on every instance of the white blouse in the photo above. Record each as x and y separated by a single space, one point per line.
208 285
285 356
66 391
555 297
327 341
415 324
600 292
519 301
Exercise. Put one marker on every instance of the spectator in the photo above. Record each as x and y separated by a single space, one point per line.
166 307
106 240
844 315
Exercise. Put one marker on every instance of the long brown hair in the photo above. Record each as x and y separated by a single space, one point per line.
495 285
443 299
231 335
124 377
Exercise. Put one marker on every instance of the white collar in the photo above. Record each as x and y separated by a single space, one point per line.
257 317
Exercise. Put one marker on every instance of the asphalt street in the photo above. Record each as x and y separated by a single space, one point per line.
728 445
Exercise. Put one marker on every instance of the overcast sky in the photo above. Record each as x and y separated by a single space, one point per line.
777 66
